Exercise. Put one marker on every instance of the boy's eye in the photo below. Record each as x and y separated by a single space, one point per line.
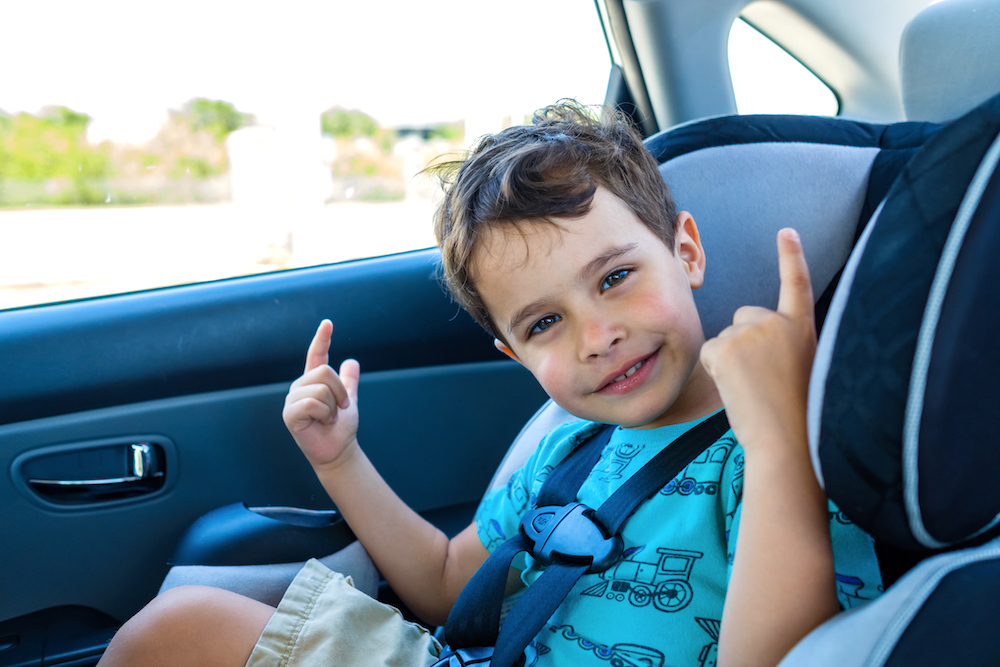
614 278
543 324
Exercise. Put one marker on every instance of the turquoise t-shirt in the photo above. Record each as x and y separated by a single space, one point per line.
661 604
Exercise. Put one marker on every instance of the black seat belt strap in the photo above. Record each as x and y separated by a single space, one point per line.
662 468
477 622
565 480
543 597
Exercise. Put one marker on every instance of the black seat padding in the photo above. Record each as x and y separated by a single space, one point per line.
901 407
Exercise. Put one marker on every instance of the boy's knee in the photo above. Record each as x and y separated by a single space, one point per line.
190 625
177 609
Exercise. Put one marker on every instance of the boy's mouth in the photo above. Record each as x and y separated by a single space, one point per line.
629 371
631 378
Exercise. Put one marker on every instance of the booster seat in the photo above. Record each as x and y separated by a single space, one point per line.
902 389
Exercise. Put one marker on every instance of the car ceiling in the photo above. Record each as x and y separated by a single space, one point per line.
681 49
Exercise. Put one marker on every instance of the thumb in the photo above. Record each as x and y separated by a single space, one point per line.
795 298
350 376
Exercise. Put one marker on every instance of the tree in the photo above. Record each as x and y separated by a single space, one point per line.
344 124
51 145
213 116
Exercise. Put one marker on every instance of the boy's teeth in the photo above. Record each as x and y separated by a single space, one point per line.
629 372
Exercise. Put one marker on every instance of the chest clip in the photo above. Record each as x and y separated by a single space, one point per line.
572 534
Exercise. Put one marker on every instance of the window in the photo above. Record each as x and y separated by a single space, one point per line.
160 143
766 79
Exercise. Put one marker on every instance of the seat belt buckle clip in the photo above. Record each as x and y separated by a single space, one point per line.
573 534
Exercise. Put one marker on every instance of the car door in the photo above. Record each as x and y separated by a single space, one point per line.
197 374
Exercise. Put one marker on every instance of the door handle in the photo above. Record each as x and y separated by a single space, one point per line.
143 473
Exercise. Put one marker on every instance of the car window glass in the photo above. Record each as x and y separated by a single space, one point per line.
160 143
766 79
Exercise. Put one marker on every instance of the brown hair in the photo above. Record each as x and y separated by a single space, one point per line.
538 173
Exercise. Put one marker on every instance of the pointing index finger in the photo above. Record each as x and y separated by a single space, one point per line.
795 298
319 349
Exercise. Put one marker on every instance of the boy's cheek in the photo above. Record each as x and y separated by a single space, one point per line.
553 379
676 317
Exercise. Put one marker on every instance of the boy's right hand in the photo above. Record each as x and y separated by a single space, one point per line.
761 363
321 409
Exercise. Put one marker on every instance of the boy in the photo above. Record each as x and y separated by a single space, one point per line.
562 241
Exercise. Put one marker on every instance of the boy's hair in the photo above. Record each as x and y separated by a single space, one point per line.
540 173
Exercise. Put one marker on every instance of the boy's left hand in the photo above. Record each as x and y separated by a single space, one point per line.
761 363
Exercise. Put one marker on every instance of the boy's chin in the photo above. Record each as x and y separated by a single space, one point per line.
625 418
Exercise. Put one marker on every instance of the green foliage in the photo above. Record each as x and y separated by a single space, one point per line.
51 145
387 141
447 131
216 117
356 165
61 116
45 159
348 124
194 167
380 195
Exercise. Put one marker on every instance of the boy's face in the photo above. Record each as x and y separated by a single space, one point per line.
601 312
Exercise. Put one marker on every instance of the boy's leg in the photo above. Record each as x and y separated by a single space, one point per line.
190 625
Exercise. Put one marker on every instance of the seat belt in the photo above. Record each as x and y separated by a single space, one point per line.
569 538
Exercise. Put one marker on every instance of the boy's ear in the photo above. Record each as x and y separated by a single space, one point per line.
500 345
688 248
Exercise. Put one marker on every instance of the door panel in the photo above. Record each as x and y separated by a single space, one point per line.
388 312
204 370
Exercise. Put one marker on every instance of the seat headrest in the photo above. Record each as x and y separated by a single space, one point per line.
949 58
745 177
907 371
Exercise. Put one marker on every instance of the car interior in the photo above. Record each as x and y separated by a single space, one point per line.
185 384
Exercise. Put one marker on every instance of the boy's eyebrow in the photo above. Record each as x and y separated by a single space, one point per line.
523 314
592 267
598 263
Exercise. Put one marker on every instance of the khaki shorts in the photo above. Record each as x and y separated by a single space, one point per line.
324 620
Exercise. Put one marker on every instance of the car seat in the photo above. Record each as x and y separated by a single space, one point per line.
902 393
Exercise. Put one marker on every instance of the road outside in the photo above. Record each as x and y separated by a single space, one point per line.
49 255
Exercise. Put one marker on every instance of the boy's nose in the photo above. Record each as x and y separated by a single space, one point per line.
597 338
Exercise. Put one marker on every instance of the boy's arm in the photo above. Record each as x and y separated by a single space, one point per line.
782 584
424 567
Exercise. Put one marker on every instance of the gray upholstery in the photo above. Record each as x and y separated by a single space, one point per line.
547 418
950 59
866 635
750 191
267 583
